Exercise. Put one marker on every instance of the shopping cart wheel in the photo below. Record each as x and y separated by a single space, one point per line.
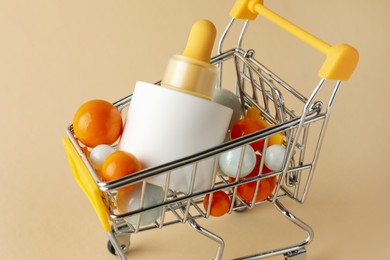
111 248
239 206
123 240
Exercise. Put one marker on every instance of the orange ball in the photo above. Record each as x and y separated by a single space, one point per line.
97 122
120 164
220 204
247 126
247 191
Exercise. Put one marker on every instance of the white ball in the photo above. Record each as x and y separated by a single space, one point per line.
131 200
99 154
274 157
228 161
229 99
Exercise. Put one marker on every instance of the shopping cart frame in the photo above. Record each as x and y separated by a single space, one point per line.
256 86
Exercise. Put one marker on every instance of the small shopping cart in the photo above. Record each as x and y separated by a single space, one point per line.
300 120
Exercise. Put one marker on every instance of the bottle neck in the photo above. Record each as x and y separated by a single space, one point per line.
191 76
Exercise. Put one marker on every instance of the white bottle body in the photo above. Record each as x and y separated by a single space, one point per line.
164 125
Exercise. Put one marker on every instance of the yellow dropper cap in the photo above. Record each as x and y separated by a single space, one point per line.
192 72
201 40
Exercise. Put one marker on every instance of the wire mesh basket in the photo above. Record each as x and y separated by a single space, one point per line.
298 121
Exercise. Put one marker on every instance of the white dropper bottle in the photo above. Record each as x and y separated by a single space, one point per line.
177 119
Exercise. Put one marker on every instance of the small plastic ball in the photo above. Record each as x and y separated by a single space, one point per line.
131 200
266 186
119 164
254 112
247 126
247 191
97 122
228 161
99 154
274 157
220 203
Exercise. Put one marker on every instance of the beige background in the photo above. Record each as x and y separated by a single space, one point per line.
55 55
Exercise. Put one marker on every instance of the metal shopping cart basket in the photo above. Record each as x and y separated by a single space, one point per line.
286 110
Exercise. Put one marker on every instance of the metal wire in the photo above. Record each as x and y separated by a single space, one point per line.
256 86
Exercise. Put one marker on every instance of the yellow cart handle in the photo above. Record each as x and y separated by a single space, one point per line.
341 60
86 182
